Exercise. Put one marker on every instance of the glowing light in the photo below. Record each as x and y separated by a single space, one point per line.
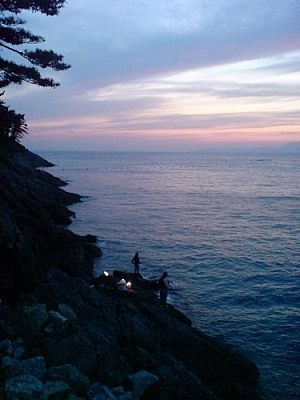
128 285
122 284
105 273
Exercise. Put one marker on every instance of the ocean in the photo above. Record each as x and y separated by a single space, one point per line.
226 227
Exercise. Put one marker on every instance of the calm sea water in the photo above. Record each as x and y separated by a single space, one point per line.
225 227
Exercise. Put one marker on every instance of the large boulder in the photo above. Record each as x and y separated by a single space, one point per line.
57 390
35 317
139 382
99 392
25 387
35 366
78 382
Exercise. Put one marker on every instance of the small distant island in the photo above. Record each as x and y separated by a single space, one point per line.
66 334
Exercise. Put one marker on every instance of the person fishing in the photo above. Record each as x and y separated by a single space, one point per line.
164 287
136 261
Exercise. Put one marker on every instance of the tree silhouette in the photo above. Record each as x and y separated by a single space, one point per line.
24 65
12 125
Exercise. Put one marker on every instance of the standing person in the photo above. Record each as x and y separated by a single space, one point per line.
136 262
164 287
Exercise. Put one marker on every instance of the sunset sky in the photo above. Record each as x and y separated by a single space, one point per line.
166 75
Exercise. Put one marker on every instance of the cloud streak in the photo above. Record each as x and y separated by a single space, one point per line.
156 67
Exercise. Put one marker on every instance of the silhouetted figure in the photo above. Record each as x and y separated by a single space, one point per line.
164 287
136 262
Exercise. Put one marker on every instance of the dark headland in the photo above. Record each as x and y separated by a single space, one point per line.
65 334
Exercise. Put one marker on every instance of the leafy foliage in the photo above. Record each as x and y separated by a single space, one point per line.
12 125
24 65
48 7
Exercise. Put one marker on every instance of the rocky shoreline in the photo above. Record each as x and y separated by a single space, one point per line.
65 334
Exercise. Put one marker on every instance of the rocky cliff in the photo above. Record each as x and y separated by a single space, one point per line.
65 334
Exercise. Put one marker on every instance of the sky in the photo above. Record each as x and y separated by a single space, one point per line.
172 75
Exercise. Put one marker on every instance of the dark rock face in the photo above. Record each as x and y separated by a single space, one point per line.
32 206
65 334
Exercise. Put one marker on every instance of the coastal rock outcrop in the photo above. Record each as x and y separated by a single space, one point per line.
65 334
